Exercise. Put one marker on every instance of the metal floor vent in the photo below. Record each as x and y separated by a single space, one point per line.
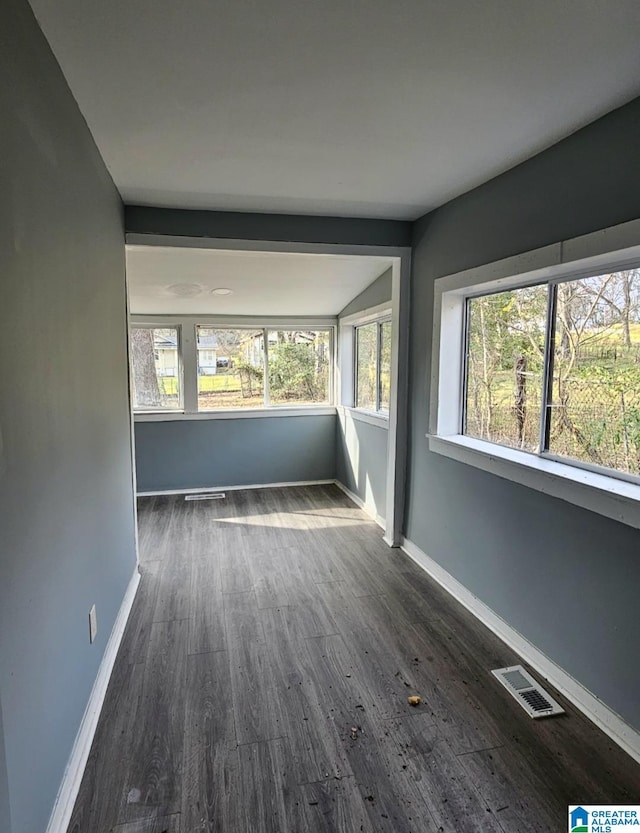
531 696
206 496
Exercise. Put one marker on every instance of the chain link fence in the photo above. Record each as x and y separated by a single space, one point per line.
596 421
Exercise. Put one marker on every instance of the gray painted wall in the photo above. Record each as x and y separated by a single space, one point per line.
565 578
189 454
361 448
5 811
376 293
66 492
361 461
276 227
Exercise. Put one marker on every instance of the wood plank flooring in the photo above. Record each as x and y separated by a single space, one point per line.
262 683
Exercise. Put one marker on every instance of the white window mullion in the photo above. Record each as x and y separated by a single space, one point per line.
333 366
355 367
547 369
344 364
189 363
378 360
267 399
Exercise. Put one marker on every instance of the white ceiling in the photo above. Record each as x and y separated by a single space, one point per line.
384 108
263 283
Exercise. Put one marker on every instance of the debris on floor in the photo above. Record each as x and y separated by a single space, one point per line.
402 679
414 700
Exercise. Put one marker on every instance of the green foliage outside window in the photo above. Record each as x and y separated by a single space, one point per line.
594 370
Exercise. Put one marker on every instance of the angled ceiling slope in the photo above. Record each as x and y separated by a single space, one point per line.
379 109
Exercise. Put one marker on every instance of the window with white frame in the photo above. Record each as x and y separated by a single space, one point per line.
372 366
155 368
555 369
536 371
227 368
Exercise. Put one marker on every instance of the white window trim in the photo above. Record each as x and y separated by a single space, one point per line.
188 363
610 249
269 411
370 417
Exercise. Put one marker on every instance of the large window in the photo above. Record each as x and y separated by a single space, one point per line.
556 369
535 373
228 368
373 366
155 369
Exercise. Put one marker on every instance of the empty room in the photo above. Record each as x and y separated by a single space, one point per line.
320 417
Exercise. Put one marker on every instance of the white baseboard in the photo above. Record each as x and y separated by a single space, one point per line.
235 488
611 723
72 778
359 502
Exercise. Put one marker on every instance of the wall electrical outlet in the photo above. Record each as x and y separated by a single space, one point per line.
93 624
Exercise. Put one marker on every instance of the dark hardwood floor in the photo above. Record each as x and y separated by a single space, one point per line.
262 686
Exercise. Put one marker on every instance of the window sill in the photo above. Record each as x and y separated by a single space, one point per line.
608 496
247 413
371 417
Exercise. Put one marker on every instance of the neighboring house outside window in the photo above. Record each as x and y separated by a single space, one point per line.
230 368
155 368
